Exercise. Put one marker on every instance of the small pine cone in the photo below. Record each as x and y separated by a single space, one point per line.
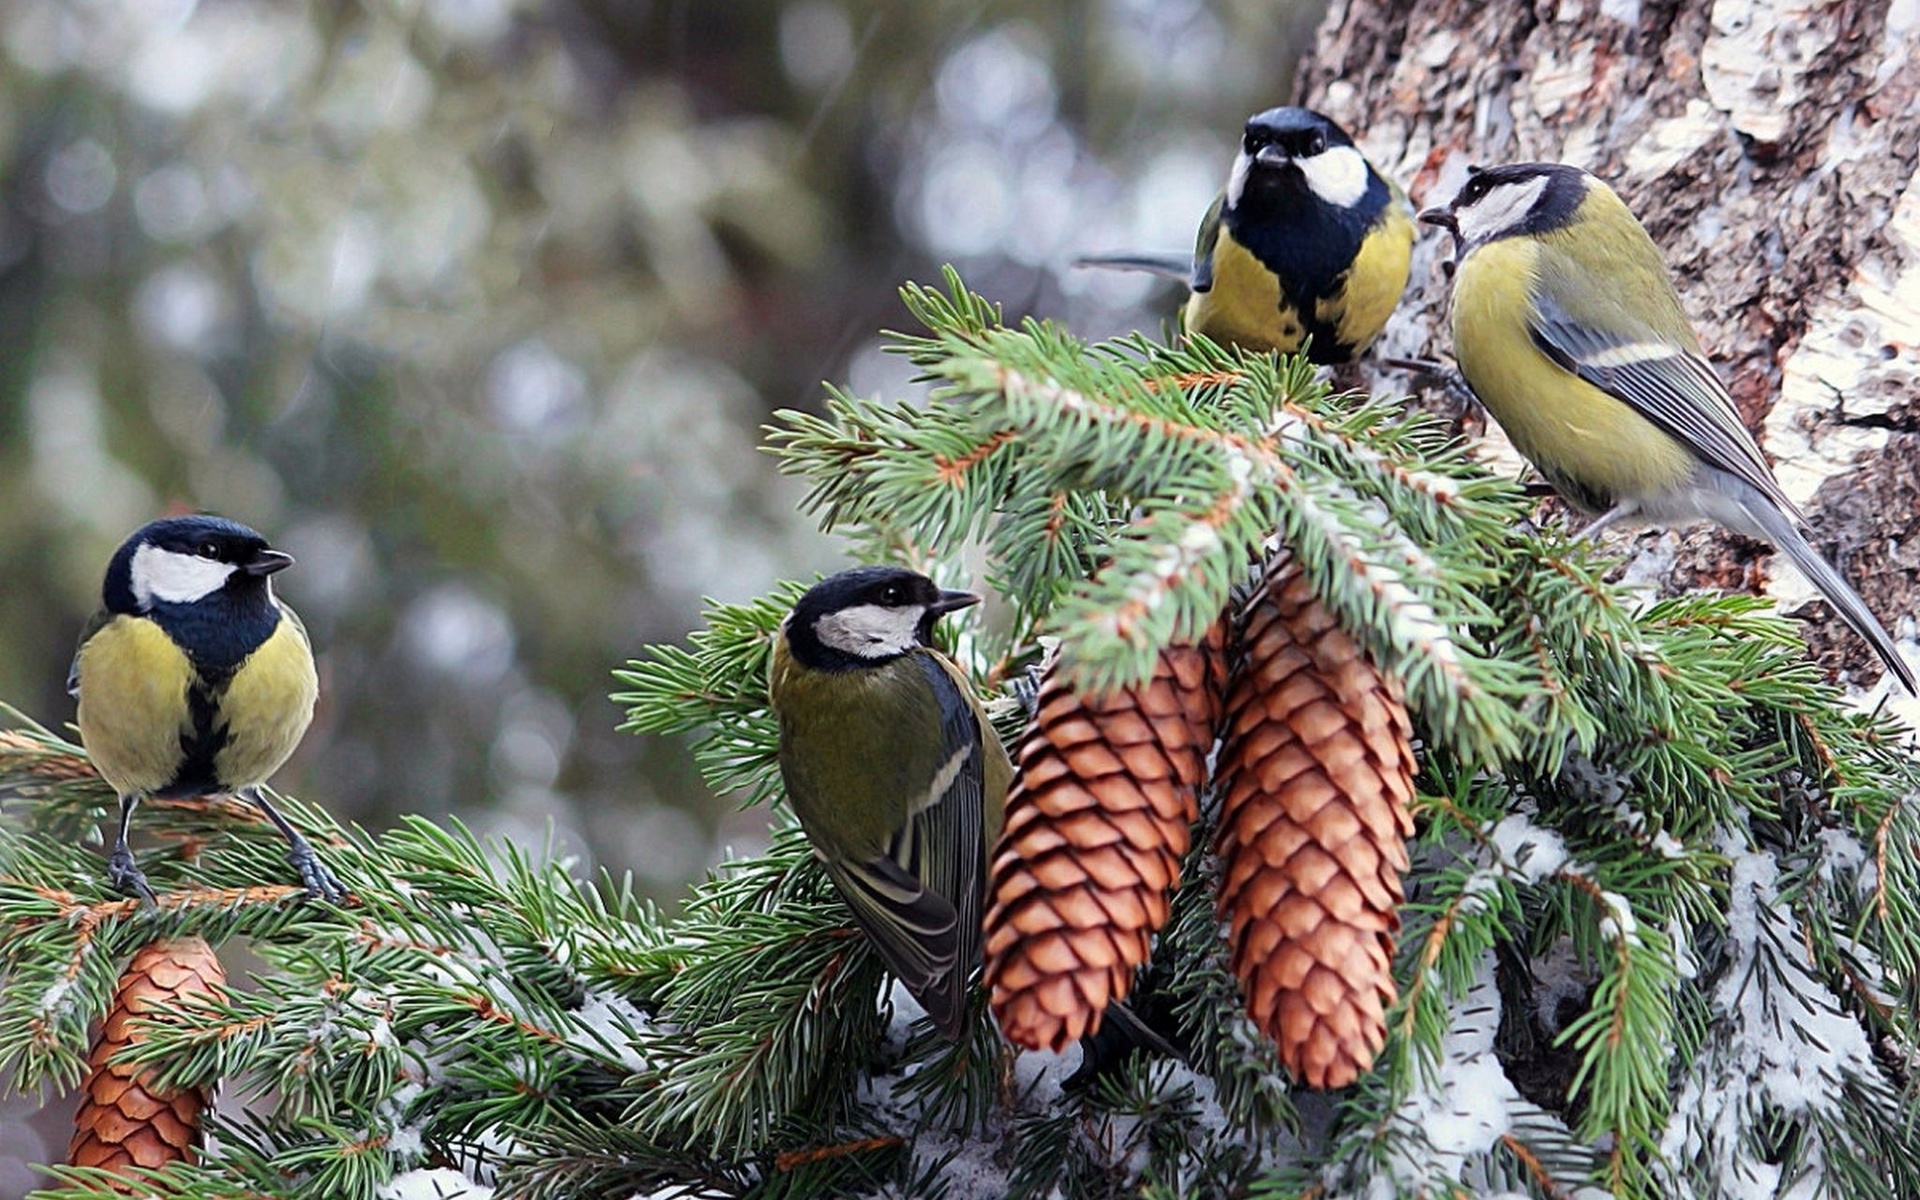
124 1121
1096 826
1316 772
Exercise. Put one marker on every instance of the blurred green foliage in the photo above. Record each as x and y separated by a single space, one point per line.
476 306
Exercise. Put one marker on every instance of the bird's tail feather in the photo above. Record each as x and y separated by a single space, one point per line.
1173 266
1780 530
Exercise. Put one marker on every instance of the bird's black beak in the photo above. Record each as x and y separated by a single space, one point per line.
1443 217
266 562
1271 155
952 602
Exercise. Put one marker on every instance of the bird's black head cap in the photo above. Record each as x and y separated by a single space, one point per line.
1300 132
1302 200
822 636
200 536
1514 199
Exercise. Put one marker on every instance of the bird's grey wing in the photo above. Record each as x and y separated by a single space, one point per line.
1205 244
915 930
1668 384
921 899
94 625
944 841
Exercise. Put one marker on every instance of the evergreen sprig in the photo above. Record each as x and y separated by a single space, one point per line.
715 689
1662 935
1166 471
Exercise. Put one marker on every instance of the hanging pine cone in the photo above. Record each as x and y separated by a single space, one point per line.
1096 827
124 1119
1316 772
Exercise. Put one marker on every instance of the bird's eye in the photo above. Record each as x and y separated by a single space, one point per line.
892 597
208 550
1316 143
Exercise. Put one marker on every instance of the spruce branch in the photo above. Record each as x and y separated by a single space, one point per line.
1189 460
1786 1087
715 688
773 1010
1663 935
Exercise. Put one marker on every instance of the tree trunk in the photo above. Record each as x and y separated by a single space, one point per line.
1770 148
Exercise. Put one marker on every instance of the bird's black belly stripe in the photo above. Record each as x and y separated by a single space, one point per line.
200 746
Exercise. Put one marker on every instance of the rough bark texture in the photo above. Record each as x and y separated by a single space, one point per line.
1770 147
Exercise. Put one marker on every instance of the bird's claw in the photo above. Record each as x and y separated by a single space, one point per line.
1026 688
125 876
321 883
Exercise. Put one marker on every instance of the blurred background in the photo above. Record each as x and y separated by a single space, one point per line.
478 307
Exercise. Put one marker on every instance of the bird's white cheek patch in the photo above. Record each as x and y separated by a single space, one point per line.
170 577
1500 210
1237 179
871 630
1337 175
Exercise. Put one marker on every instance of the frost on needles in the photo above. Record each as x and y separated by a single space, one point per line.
1660 938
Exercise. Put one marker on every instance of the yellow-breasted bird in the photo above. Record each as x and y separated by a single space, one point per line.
1307 241
194 680
1567 327
895 772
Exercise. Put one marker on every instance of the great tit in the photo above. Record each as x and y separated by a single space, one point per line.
194 680
1568 329
894 771
1307 241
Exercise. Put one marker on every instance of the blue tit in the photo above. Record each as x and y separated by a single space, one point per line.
194 680
895 772
1307 241
1567 327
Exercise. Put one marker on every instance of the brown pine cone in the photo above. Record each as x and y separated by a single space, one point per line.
1316 773
1096 826
124 1119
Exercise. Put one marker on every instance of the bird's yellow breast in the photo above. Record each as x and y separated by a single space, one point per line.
133 704
1591 446
1244 307
136 717
267 706
1376 281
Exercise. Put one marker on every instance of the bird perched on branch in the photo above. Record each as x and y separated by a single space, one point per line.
895 773
194 680
1567 327
1307 241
